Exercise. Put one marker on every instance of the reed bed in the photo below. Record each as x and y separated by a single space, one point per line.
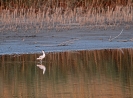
66 19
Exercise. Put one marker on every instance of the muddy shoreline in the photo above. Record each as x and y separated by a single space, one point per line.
21 42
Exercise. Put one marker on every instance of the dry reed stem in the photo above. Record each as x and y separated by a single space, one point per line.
67 42
111 39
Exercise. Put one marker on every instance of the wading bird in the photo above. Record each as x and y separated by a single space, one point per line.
41 56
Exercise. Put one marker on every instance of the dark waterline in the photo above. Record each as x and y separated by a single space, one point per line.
103 73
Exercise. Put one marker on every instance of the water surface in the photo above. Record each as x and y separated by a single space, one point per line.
71 74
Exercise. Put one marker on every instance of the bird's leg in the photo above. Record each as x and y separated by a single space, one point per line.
41 62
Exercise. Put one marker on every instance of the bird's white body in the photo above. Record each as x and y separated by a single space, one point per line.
42 67
41 56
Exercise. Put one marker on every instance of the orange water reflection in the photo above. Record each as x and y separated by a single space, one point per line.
73 74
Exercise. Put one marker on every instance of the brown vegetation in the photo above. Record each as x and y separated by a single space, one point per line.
60 14
13 4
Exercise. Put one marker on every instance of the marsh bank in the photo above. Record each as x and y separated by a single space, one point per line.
20 41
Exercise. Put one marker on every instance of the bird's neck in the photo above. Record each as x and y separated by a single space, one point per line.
43 52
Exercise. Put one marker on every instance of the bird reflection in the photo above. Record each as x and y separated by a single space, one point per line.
42 67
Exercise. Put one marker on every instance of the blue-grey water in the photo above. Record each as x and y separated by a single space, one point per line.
72 74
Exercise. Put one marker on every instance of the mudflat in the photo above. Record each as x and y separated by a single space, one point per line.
29 41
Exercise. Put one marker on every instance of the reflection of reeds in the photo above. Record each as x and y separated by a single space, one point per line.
73 74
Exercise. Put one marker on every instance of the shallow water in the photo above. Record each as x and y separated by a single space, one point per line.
71 74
